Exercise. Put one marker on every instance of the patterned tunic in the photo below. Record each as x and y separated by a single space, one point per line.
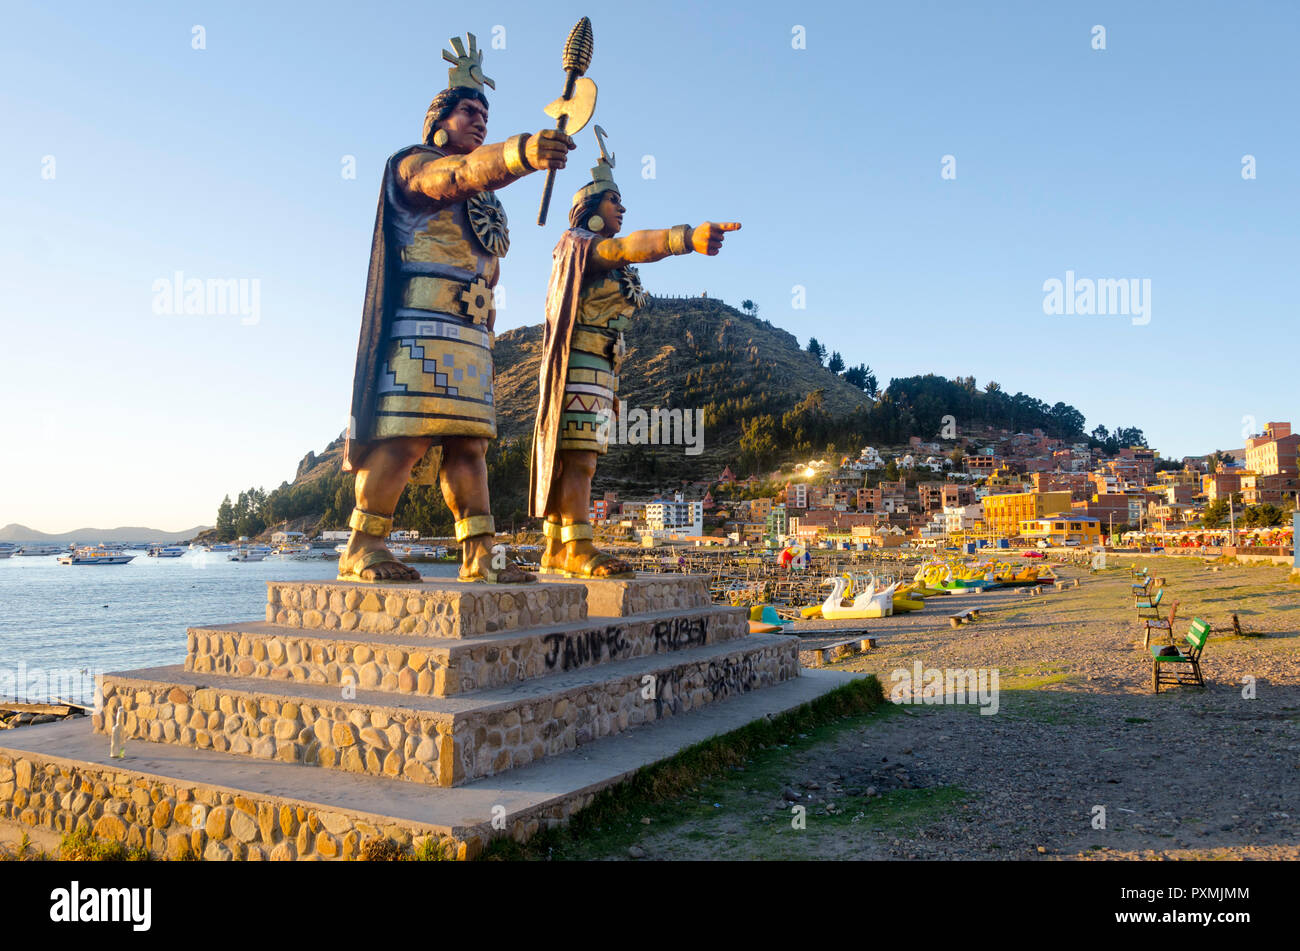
607 300
437 374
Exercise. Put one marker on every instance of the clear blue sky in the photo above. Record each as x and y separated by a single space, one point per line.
225 163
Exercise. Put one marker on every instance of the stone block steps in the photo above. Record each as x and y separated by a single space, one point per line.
178 801
398 696
640 595
414 664
437 740
442 609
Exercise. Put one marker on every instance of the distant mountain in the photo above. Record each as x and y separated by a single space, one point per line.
13 532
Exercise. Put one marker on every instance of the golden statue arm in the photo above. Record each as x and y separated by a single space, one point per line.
642 247
452 178
639 247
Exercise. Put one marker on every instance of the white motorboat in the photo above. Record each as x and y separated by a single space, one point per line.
37 551
256 553
166 551
95 556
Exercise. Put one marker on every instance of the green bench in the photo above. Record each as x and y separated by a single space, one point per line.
1183 667
1149 603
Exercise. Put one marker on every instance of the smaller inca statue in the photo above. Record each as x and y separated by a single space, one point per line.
423 407
594 291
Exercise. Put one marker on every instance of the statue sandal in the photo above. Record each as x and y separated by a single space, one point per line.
367 523
580 531
473 525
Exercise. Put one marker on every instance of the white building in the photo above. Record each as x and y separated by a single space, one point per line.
870 458
937 527
677 516
962 518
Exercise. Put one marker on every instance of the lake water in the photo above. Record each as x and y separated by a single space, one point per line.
62 624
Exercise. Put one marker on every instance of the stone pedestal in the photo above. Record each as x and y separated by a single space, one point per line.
433 685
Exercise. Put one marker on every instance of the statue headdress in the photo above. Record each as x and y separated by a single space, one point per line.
602 176
466 67
465 78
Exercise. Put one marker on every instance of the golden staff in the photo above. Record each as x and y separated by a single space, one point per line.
574 109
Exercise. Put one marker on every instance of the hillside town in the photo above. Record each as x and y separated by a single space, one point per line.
995 489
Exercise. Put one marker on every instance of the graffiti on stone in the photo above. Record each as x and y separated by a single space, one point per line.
578 649
681 632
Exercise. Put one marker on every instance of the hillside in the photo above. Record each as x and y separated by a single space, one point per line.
689 354
14 532
763 398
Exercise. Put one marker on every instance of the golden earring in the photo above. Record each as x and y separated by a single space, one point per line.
440 138
595 223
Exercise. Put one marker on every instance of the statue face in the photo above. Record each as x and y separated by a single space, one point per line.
466 127
611 209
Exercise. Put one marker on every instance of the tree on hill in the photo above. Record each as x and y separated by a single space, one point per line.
225 526
758 445
862 377
836 364
816 349
931 397
749 307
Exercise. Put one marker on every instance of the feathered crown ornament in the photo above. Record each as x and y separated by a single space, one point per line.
466 67
602 177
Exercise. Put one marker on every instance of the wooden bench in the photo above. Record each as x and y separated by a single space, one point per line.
964 617
1183 667
1158 624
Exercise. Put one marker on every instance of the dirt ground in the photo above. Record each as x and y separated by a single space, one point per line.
1080 760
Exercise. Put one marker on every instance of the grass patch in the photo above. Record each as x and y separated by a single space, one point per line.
23 852
1036 683
81 846
1053 709
655 792
900 810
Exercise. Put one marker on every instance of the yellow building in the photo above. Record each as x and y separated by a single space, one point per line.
1063 529
1003 514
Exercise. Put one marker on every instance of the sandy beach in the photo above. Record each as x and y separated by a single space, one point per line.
1182 775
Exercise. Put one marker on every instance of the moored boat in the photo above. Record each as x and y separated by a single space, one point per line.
251 553
95 556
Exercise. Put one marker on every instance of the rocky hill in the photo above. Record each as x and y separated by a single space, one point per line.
764 400
689 354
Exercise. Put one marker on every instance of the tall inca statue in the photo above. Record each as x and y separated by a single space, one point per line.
422 398
594 290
